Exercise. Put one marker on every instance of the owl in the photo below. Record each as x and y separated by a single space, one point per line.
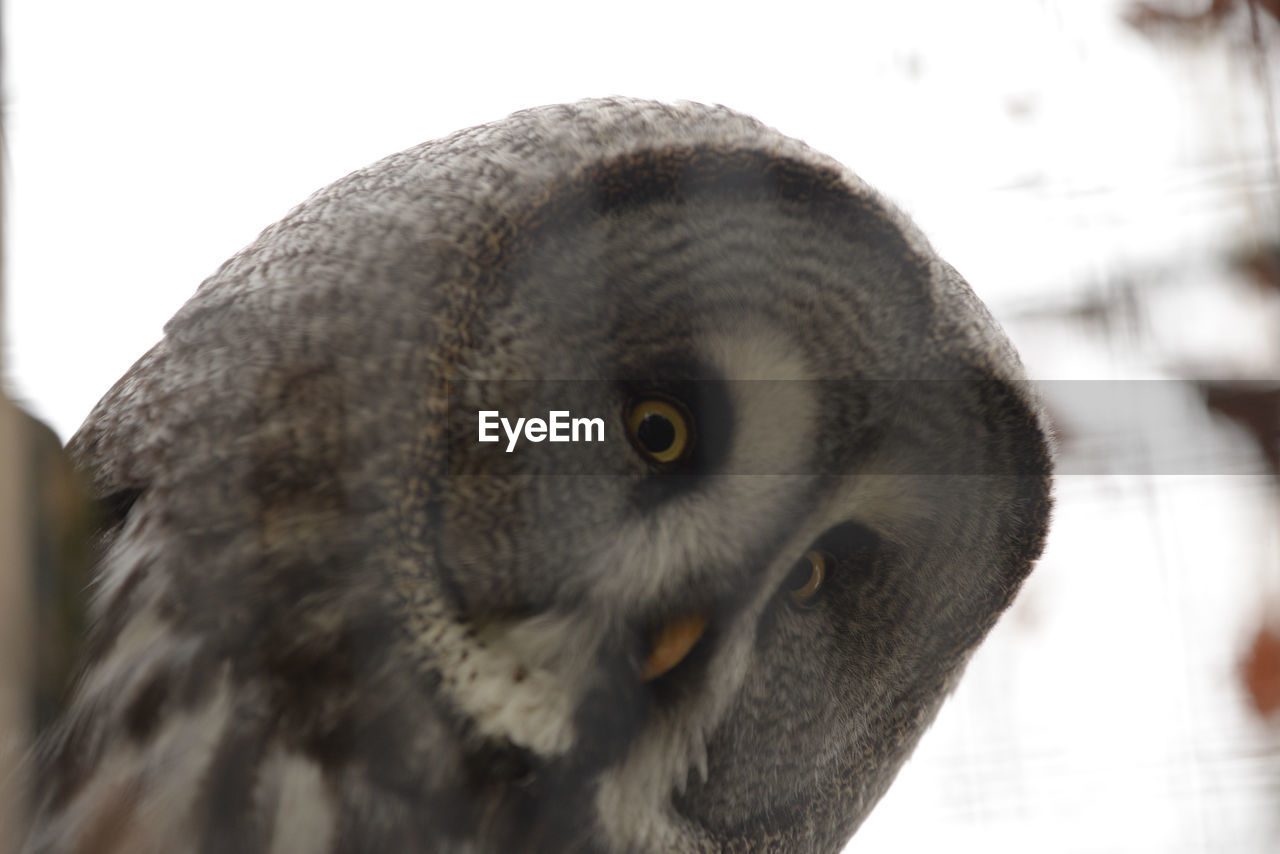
615 477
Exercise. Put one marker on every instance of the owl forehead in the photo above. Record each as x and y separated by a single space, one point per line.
703 249
664 177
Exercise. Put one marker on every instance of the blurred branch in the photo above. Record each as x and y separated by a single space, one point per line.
15 590
1262 672
1256 407
1151 19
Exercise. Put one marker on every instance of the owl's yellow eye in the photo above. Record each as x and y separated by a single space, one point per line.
807 576
660 428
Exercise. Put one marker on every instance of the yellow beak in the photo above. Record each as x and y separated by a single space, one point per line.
671 644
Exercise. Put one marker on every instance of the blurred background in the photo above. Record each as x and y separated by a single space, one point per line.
1105 173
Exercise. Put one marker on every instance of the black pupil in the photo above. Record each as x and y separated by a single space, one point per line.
800 574
656 433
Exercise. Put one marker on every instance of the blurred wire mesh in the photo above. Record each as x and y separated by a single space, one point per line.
1130 702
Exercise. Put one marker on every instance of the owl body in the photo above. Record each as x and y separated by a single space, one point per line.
327 618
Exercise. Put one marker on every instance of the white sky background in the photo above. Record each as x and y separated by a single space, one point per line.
151 140
1041 145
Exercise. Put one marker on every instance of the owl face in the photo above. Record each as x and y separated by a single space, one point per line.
791 461
723 621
